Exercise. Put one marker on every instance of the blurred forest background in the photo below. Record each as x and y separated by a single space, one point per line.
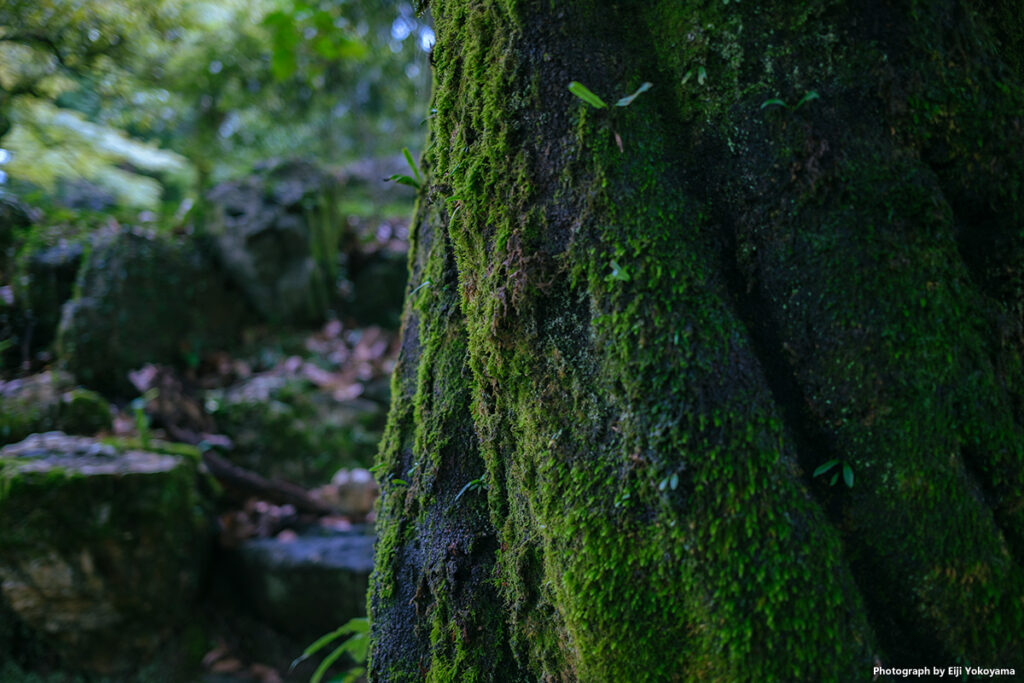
153 102
202 266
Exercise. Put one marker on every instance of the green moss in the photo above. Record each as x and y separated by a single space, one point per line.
296 432
47 402
155 446
896 365
135 544
84 412
549 480
123 317
729 300
18 421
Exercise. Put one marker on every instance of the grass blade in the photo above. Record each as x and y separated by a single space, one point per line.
326 664
317 645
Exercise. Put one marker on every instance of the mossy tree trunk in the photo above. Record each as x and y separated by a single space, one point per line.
622 366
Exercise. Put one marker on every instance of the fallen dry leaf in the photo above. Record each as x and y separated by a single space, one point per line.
264 673
226 666
219 652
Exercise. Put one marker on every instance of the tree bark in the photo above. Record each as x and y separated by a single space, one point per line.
633 334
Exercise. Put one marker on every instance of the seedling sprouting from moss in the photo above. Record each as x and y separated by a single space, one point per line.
628 99
584 93
473 485
702 75
811 95
426 283
847 472
411 181
618 272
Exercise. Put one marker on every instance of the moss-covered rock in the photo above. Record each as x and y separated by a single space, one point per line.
144 298
276 233
289 429
103 553
47 402
44 280
83 411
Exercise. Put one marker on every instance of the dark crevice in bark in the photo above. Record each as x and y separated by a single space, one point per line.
985 244
812 445
978 484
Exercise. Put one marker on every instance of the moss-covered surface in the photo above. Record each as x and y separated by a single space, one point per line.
103 554
44 276
645 328
47 402
144 298
292 430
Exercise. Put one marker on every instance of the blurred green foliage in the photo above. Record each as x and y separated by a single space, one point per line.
156 101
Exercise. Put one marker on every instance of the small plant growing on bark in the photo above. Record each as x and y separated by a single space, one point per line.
671 482
702 75
618 272
775 101
411 181
584 93
477 484
846 470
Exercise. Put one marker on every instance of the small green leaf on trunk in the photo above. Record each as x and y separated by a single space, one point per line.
581 91
626 101
825 468
412 164
404 180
